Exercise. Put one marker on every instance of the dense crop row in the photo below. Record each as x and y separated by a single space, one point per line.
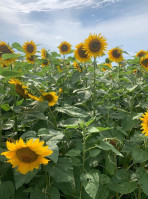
70 126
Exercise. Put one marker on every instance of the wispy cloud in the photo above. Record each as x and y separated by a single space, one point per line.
28 6
129 30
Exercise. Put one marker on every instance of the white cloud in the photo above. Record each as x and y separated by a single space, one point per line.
130 30
28 6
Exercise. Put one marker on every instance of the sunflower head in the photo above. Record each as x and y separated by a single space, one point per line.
43 53
77 66
107 60
27 156
30 59
144 62
95 45
144 123
4 48
141 53
80 54
64 47
45 63
20 88
59 69
51 97
106 64
115 55
29 48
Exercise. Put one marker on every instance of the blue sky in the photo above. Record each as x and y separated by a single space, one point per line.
49 22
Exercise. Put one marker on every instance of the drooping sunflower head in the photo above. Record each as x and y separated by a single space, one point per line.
115 54
51 97
30 59
20 88
43 53
4 48
141 53
106 64
144 123
107 60
80 53
77 66
29 48
144 62
95 45
3 65
27 156
64 47
45 63
59 69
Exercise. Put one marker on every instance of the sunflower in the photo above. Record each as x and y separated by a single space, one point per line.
64 47
43 53
77 66
29 48
4 48
45 63
80 54
27 156
3 65
20 88
144 62
106 64
30 59
59 69
115 54
60 90
51 97
141 53
95 45
144 123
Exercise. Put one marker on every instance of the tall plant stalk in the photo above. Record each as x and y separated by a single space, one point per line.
94 97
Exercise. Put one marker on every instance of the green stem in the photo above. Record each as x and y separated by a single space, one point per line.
11 68
15 115
119 74
94 99
117 195
53 118
139 193
47 180
86 76
35 67
136 74
0 126
83 159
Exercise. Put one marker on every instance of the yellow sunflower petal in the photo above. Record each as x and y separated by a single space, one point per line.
64 47
115 55
27 156
144 62
95 45
81 54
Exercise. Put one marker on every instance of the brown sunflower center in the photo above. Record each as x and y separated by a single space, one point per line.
30 48
141 54
95 45
21 91
48 97
82 53
4 49
46 62
64 48
145 62
116 53
26 155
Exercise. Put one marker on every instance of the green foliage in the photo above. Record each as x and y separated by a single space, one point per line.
94 129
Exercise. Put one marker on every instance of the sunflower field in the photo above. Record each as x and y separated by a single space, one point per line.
72 126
